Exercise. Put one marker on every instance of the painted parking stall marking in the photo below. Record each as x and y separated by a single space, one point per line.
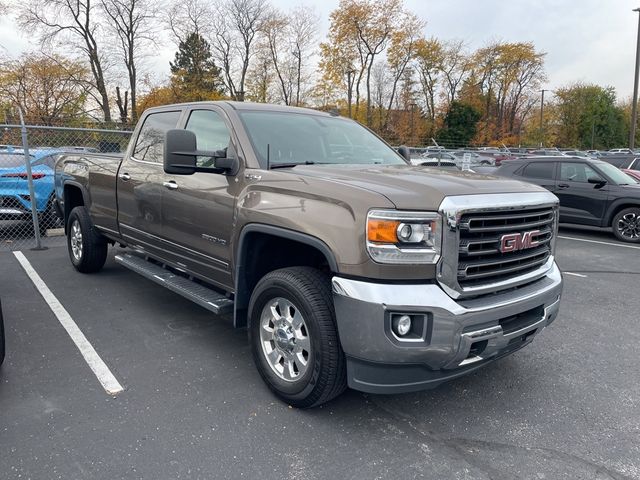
599 242
97 365
575 274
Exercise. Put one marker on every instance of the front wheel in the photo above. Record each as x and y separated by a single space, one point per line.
626 225
293 336
87 248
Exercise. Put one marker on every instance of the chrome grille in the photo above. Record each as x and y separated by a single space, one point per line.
480 260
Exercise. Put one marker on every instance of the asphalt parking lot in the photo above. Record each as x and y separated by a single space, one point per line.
193 405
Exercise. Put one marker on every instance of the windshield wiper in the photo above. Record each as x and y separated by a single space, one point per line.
289 165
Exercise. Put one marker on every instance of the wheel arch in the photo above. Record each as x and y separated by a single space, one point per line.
616 207
285 248
74 195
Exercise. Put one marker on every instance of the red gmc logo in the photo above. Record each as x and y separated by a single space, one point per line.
513 242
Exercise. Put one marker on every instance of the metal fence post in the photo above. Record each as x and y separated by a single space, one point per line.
32 194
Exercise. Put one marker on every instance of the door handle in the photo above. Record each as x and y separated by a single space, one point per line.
124 177
563 185
171 185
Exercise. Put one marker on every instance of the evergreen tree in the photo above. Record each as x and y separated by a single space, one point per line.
194 74
460 125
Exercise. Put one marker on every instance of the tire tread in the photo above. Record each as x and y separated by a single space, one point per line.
94 245
315 287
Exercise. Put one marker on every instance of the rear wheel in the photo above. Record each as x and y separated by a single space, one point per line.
293 336
49 218
87 248
626 225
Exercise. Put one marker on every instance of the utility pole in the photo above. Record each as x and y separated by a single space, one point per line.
412 106
350 73
634 107
542 119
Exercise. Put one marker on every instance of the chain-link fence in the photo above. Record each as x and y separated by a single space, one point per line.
28 214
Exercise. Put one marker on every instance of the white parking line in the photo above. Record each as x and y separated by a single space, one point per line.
575 274
602 243
99 368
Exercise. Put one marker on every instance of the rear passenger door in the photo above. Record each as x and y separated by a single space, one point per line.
541 173
198 210
580 201
140 184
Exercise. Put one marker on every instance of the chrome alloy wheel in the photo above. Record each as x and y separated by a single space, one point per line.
76 240
285 339
629 226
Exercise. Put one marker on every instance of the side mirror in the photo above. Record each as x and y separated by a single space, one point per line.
597 181
180 152
181 155
404 151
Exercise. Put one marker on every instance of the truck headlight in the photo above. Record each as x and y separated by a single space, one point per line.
403 237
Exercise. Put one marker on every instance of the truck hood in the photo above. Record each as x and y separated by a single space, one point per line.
414 187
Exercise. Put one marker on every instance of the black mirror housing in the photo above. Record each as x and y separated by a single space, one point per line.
598 182
404 151
180 147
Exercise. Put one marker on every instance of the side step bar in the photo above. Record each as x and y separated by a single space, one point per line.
197 293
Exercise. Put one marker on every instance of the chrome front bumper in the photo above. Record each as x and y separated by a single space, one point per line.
458 337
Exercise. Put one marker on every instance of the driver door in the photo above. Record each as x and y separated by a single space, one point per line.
198 209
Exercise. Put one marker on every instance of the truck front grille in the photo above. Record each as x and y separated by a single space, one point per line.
480 259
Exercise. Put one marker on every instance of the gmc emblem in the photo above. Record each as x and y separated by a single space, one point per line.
513 242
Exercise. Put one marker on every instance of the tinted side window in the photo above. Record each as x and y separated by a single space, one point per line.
543 170
150 144
577 172
211 132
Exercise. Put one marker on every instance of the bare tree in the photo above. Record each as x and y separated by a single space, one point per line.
184 17
223 44
402 50
246 17
427 65
303 34
455 67
133 23
275 40
72 22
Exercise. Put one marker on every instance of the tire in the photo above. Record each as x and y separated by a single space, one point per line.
49 218
305 294
87 248
1 336
626 225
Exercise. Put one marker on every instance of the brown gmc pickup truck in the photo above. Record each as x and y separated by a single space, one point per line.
347 265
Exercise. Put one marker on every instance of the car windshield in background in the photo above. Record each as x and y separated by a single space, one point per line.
295 138
615 174
12 160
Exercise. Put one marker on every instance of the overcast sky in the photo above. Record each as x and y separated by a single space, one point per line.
586 40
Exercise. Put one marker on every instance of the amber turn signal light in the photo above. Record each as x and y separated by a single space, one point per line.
382 231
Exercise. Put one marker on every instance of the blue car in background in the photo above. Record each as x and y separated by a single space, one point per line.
15 200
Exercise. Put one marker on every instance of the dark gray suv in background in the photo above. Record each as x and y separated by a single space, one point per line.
591 192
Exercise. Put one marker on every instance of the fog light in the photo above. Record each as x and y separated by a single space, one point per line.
402 325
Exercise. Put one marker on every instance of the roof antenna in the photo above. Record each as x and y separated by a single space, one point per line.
268 162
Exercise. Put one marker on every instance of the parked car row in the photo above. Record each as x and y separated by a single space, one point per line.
591 191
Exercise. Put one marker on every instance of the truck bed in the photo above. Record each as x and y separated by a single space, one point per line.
99 170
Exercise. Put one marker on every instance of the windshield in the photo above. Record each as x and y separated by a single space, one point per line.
300 138
12 160
615 174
